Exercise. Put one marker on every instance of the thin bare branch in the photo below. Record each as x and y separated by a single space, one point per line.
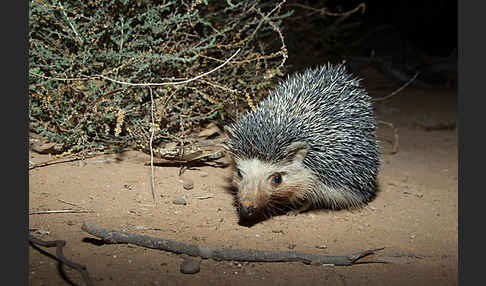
397 90
172 83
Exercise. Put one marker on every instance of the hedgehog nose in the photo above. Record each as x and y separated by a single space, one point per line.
246 211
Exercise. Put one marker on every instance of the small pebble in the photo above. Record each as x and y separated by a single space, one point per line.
187 184
179 201
323 246
291 246
203 174
81 163
42 232
190 266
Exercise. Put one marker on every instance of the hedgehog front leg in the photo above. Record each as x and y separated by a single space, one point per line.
306 205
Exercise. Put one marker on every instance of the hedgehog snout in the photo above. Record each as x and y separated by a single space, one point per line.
251 198
246 212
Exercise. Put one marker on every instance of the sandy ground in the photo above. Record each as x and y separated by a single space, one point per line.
414 215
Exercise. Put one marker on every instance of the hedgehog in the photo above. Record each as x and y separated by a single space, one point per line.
309 144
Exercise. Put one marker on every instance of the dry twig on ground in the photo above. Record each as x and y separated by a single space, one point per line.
396 138
59 244
250 255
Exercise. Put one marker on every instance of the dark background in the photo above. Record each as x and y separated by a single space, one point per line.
430 26
397 38
407 32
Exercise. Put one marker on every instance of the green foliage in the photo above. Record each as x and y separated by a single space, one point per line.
72 44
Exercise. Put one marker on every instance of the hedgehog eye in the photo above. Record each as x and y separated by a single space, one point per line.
238 173
276 179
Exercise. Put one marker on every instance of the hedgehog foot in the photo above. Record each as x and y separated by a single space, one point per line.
306 205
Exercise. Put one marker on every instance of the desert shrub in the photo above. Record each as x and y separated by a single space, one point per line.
79 51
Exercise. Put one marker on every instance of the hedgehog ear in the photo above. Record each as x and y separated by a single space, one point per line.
296 151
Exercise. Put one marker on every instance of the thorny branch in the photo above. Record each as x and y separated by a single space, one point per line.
325 11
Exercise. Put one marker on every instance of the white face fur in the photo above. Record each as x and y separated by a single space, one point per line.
265 185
